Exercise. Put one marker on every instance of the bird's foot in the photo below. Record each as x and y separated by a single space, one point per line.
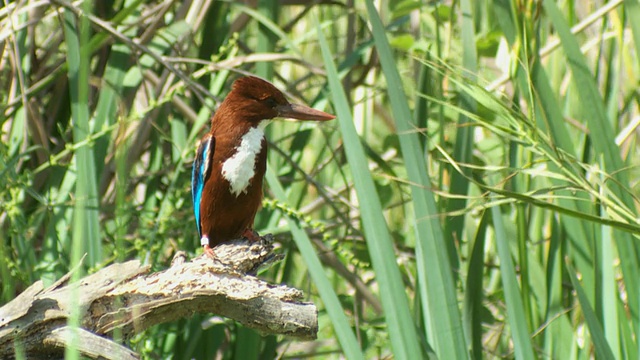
251 235
209 252
204 241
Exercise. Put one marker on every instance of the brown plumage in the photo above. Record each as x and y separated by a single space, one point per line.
231 160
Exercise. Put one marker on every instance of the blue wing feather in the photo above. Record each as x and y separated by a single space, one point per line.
200 174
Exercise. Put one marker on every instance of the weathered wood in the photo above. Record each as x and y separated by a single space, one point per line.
125 297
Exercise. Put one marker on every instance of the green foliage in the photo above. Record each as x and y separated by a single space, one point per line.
475 197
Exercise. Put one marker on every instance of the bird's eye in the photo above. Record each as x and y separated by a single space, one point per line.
271 102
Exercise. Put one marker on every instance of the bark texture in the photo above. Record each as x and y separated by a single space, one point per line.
126 297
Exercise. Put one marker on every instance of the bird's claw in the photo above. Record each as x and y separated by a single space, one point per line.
204 241
209 252
251 235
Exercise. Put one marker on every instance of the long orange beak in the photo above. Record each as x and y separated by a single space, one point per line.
301 112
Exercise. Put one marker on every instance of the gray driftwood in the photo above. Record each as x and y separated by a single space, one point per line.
127 298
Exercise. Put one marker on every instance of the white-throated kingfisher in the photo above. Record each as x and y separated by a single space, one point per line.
226 181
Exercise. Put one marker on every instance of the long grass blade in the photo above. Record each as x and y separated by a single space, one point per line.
434 265
340 323
464 134
515 309
605 146
404 340
595 329
632 7
86 234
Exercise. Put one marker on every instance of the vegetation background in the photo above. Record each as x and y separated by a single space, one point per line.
475 198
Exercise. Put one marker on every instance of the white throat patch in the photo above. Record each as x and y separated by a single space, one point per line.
240 168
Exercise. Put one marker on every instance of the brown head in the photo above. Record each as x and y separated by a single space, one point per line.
254 100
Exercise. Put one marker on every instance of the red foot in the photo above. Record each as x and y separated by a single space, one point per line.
251 235
209 251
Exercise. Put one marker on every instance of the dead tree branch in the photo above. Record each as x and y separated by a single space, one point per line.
126 298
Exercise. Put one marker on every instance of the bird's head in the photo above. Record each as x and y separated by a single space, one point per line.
255 100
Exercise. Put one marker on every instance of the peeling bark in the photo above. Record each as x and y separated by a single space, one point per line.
126 297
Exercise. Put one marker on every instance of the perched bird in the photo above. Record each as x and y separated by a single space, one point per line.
226 182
